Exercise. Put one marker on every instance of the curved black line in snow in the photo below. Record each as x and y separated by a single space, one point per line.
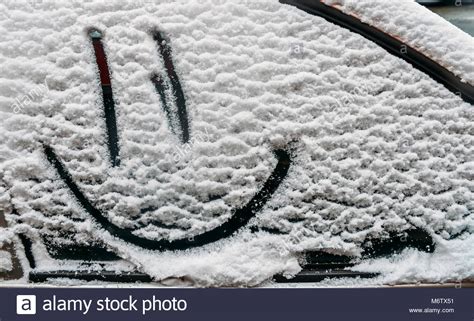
160 87
108 99
394 46
240 217
180 100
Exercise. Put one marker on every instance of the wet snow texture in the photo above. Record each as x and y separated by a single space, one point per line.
378 145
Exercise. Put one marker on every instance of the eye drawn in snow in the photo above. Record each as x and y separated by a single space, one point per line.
179 126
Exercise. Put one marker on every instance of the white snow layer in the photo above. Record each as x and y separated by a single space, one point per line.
5 261
418 27
378 146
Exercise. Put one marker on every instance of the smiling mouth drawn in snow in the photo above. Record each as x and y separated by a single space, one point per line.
179 125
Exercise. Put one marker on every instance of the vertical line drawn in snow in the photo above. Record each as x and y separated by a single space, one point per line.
108 99
180 100
239 219
160 88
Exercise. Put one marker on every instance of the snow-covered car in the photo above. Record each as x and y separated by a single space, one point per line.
223 143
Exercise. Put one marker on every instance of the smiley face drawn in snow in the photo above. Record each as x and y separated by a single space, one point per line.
240 217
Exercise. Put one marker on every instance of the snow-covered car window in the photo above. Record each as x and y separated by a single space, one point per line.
236 143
